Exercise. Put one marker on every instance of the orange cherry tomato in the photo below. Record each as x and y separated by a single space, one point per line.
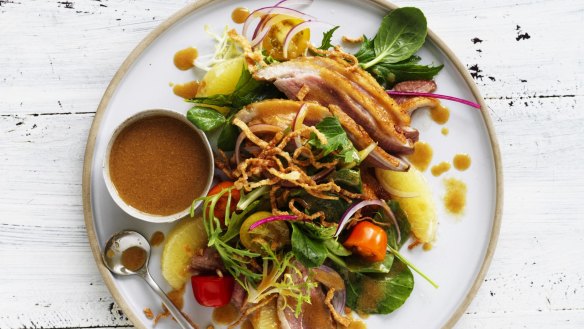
368 240
221 204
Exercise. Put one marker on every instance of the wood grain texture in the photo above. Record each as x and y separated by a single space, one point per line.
57 57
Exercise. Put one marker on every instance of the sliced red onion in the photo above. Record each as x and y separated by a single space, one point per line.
339 301
298 120
266 27
288 3
272 219
346 218
297 29
272 10
260 25
291 3
431 95
255 128
340 296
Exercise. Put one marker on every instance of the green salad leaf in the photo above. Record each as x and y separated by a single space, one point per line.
402 32
336 248
379 293
310 252
206 119
318 232
349 179
402 222
228 137
247 91
326 39
358 265
389 56
390 74
332 209
337 140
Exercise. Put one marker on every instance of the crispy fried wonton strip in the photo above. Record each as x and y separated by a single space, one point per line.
343 320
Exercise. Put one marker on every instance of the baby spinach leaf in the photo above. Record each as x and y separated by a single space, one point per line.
366 53
216 100
389 74
311 253
402 222
337 140
379 293
389 56
349 179
326 38
318 232
332 209
205 118
227 137
358 265
336 248
402 32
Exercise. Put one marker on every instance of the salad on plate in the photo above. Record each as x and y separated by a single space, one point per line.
316 187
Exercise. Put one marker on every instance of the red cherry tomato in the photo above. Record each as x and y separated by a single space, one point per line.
212 290
368 240
222 202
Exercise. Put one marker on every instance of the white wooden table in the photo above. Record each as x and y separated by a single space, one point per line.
57 57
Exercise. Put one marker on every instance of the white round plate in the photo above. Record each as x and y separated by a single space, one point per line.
461 255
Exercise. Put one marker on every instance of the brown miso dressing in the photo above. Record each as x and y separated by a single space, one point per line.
156 239
239 15
134 258
440 114
225 314
184 59
461 161
444 131
440 168
373 297
177 298
455 197
159 165
186 90
316 315
422 155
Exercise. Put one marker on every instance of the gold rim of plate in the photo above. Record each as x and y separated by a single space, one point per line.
89 152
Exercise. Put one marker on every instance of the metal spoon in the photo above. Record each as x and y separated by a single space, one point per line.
112 257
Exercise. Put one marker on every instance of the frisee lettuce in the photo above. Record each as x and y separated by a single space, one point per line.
225 49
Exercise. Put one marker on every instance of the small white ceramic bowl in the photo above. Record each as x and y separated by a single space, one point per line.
111 187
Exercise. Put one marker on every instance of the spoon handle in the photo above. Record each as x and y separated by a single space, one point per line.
176 313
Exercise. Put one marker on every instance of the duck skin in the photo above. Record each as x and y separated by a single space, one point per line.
354 91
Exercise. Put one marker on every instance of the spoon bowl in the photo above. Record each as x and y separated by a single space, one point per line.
122 242
127 253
